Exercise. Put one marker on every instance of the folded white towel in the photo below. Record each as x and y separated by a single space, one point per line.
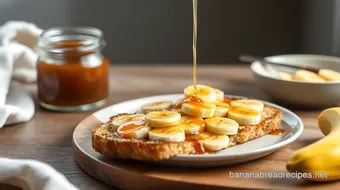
18 43
32 175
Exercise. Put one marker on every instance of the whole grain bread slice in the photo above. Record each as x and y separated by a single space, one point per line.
108 143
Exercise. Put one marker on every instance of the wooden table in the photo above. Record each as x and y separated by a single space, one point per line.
47 137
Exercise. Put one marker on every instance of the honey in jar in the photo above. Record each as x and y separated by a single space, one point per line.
72 72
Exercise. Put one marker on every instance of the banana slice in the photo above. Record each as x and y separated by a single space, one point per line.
308 76
249 103
116 122
134 130
156 106
198 108
206 93
222 109
285 76
222 126
167 134
245 116
329 75
191 125
219 95
162 118
215 142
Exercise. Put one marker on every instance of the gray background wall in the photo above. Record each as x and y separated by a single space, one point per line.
159 31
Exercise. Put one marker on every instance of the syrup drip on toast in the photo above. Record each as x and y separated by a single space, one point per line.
198 143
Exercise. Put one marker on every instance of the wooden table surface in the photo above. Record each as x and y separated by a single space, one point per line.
48 136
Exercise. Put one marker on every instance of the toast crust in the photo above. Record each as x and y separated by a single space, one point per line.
107 142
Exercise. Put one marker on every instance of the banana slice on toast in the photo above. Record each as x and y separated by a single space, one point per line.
162 118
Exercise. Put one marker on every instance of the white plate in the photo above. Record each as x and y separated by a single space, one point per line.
251 150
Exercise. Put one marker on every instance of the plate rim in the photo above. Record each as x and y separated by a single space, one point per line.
299 129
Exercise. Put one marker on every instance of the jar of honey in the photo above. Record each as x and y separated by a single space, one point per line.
72 72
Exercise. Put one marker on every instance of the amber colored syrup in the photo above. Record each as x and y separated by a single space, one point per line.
178 106
198 144
72 83
194 44
277 132
129 127
227 100
194 100
127 135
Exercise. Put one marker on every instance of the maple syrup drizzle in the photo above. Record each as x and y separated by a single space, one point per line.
178 106
277 132
194 100
194 44
129 127
227 100
198 144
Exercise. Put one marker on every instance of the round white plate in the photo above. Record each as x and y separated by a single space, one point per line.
251 150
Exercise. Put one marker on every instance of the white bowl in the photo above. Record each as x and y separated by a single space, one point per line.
297 93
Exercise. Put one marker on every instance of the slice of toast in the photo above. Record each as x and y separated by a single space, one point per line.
109 143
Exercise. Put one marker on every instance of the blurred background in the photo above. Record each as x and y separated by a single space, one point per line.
160 31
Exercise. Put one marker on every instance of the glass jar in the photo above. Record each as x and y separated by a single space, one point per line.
72 72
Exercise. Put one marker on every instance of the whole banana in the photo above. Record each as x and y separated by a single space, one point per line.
322 156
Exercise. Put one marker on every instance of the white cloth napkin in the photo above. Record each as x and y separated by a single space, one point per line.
32 175
18 44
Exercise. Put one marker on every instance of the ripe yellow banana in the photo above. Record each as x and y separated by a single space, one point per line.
329 75
323 155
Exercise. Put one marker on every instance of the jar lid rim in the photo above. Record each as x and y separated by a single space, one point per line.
89 39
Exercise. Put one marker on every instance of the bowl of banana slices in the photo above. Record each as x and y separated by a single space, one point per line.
297 87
